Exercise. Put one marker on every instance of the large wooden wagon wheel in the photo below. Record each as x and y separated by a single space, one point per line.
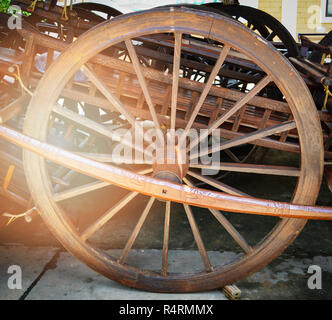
262 23
97 7
134 94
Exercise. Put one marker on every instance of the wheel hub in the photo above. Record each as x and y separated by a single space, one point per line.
170 167
169 176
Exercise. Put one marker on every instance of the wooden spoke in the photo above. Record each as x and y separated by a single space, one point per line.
140 93
227 225
68 177
72 193
107 216
136 231
232 156
176 75
60 181
116 103
271 36
198 238
205 92
237 106
259 134
96 127
217 184
266 116
164 259
83 121
75 192
142 82
251 168
232 231
110 158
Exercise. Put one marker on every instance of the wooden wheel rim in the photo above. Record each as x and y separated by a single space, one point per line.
209 25
268 21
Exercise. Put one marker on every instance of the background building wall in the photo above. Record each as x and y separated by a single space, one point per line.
308 15
273 7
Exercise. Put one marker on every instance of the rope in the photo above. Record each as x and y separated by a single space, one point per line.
32 6
19 79
13 217
64 12
327 93
64 15
323 58
8 177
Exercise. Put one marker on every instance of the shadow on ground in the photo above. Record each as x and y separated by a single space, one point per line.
285 278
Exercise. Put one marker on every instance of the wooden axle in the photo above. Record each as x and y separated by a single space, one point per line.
164 189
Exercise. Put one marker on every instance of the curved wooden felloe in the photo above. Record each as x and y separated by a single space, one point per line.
90 6
84 54
266 25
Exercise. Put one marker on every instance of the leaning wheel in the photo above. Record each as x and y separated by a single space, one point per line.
109 12
142 98
262 23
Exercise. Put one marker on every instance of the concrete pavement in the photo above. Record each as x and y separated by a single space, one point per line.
52 274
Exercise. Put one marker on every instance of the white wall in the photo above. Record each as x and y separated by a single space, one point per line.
323 18
289 16
249 3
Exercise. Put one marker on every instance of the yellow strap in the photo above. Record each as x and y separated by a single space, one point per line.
64 15
323 58
32 6
19 79
8 177
327 93
64 12
13 217
69 131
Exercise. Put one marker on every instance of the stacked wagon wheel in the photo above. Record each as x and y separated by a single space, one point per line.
136 96
262 23
67 23
88 7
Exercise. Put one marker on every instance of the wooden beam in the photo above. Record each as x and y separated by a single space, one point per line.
14 108
163 189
